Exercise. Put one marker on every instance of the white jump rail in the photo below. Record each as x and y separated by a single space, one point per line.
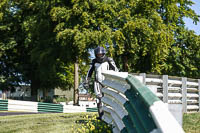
131 107
38 107
26 106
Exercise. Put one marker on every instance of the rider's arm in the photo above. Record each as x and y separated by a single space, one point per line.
90 71
112 64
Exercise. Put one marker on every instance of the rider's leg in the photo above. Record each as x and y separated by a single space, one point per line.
98 92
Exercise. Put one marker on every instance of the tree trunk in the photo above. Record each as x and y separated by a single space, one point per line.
125 63
76 83
4 95
45 94
34 90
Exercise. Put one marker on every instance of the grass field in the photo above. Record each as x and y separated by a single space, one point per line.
42 123
191 123
69 123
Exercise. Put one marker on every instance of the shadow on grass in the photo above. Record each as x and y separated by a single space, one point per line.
85 121
67 116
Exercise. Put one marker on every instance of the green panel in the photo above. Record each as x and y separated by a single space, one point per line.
124 130
49 107
3 105
142 117
48 110
146 94
49 104
140 99
129 125
45 107
3 108
3 101
136 123
91 109
135 118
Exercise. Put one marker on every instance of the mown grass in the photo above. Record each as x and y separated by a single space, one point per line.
191 123
43 123
72 123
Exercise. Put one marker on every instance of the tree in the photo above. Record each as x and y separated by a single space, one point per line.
35 55
184 52
8 74
132 31
184 57
79 28
42 40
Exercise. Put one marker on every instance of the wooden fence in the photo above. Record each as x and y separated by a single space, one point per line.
171 89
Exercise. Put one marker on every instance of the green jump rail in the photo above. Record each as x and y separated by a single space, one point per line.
49 107
91 109
3 105
140 99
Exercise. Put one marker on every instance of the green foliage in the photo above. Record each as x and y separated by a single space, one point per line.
32 54
92 125
131 29
47 99
184 57
41 40
60 99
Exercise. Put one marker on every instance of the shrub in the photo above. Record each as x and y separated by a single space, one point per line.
91 125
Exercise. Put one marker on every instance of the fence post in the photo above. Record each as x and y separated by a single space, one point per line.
144 77
165 88
184 94
199 92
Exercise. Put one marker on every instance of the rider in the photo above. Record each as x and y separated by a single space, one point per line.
99 64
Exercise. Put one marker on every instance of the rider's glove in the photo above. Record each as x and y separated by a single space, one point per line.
86 84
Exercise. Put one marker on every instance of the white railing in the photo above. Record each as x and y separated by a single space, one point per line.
171 89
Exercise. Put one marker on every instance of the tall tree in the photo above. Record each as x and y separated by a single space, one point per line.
41 40
79 28
184 52
8 73
184 57
134 31
35 57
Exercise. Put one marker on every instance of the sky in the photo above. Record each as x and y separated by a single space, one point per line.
189 23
